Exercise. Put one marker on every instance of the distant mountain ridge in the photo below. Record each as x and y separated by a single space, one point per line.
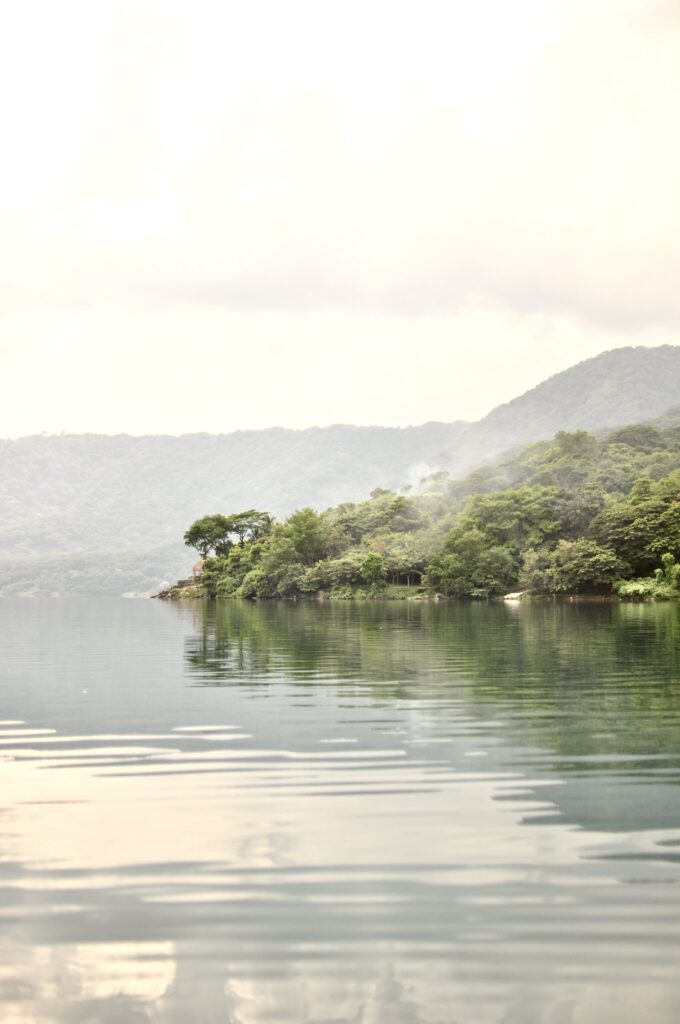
96 513
105 514
620 386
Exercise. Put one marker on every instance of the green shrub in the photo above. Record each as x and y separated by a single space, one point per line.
572 566
664 585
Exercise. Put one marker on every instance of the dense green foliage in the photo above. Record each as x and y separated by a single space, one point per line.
664 585
572 566
219 533
578 514
96 514
613 389
347 549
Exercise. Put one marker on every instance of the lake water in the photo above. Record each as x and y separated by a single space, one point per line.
339 814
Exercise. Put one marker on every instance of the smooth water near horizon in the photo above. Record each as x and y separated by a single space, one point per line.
339 814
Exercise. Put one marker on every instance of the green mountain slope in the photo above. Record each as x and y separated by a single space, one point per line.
98 514
625 385
577 514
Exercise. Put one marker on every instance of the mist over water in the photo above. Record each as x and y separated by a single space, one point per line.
367 813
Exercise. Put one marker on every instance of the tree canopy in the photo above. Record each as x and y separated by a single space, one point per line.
577 514
218 533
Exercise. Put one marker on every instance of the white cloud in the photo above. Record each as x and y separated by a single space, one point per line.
294 171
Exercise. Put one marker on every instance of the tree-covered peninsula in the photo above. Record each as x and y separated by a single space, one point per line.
100 515
575 515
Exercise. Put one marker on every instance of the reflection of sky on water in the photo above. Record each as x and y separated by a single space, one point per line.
297 814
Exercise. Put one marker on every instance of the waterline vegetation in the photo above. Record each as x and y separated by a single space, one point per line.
576 515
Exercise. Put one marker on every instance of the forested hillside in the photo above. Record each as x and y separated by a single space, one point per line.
578 514
99 514
625 385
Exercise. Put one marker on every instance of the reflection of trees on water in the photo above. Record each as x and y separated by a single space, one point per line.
230 996
209 991
243 642
575 678
204 988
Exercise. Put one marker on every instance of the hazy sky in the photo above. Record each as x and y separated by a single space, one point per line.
220 215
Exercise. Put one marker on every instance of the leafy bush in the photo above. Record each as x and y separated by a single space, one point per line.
469 567
647 587
572 566
664 585
373 569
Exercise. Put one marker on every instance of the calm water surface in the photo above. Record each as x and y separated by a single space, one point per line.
339 814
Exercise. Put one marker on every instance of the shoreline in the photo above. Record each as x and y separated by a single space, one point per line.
191 591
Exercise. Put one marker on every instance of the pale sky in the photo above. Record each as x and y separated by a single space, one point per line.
220 215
